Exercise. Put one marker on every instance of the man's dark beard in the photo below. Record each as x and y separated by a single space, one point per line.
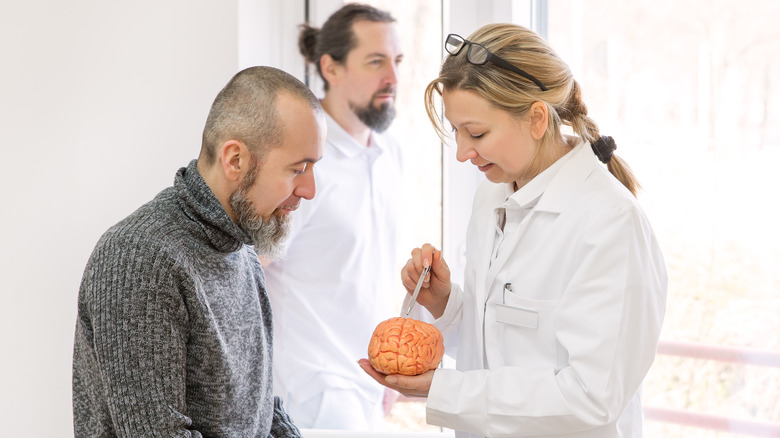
267 236
378 119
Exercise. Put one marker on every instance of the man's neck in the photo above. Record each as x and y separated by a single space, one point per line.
218 185
346 118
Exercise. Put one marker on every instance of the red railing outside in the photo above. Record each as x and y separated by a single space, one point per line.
721 353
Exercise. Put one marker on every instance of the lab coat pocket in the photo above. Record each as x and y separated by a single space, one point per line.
517 316
526 329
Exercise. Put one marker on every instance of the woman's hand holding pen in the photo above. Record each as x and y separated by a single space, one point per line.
434 293
435 289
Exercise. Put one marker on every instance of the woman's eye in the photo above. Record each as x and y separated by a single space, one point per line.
474 136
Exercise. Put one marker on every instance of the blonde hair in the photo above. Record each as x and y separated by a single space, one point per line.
513 93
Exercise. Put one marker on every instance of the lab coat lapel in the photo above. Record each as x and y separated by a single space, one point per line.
511 240
486 233
553 198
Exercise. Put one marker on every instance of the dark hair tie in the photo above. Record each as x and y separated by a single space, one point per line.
603 148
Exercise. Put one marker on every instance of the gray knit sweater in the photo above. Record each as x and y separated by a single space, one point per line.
173 336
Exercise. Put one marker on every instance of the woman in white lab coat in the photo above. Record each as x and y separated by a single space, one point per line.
565 285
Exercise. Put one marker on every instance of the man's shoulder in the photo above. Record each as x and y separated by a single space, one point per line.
391 148
150 227
387 140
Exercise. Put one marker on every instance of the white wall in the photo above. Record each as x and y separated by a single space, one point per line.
100 103
268 34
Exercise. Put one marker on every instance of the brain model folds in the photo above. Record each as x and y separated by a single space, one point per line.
405 346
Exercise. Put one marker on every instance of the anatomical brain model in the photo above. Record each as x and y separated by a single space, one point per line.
405 346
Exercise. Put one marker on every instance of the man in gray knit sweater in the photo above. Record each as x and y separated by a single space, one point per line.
174 333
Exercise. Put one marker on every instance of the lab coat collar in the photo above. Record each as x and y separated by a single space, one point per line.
551 191
553 188
343 142
581 162
529 194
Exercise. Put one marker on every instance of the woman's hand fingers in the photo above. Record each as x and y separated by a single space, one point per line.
440 269
426 254
410 386
436 286
408 277
421 258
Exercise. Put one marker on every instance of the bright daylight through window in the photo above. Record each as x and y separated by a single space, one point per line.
691 93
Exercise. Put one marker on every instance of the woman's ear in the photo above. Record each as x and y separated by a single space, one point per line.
538 117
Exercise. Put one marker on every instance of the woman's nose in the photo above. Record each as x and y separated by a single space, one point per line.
465 152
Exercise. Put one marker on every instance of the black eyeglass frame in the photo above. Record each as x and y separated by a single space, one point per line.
491 57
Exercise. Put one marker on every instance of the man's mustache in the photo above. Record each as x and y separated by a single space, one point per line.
388 90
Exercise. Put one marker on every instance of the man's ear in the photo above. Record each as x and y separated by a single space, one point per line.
330 69
538 117
234 158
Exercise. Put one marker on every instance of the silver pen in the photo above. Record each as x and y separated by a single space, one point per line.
417 289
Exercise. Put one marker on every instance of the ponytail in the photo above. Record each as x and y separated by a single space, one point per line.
307 43
575 113
618 167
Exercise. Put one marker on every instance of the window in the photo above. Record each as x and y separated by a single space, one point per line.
690 92
419 27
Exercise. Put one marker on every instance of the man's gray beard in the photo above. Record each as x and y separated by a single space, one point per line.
269 237
378 119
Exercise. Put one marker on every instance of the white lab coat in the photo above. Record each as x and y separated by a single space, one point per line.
565 351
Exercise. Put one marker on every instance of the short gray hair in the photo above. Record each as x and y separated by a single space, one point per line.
245 110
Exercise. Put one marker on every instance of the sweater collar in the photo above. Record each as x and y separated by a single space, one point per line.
200 204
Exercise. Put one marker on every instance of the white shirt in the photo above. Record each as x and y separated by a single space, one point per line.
328 295
563 350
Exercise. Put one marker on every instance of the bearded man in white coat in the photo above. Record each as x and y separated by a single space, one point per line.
332 289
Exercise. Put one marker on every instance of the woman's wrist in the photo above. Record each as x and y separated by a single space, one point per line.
438 306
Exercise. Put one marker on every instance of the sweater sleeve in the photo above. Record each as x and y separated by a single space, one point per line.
282 426
137 321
